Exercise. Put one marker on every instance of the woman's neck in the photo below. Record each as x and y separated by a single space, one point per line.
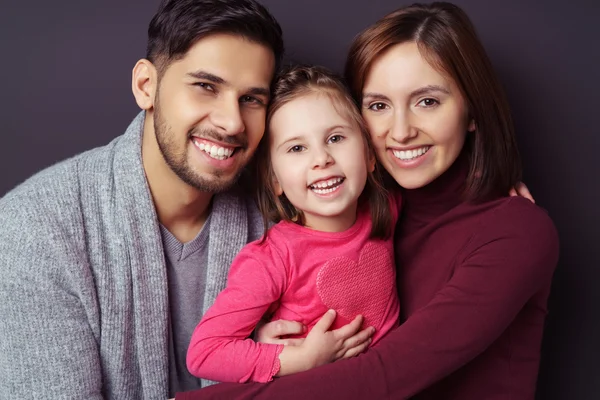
439 196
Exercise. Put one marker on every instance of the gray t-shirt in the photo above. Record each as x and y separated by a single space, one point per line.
186 272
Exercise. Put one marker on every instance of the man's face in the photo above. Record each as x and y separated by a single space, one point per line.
210 108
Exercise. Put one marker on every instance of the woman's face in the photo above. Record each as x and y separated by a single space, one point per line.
417 117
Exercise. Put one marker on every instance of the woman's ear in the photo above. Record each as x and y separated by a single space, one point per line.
472 126
143 84
371 162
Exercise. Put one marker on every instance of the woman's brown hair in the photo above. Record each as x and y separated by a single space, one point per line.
294 82
448 41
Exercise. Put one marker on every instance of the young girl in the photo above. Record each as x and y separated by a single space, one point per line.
331 248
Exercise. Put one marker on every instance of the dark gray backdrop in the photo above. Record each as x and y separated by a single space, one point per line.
66 66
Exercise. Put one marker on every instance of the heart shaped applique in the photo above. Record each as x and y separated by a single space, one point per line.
362 287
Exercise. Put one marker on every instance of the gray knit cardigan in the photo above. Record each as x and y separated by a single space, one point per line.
83 285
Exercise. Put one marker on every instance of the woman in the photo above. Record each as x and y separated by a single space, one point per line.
475 266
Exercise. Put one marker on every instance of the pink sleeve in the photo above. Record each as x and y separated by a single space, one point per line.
220 349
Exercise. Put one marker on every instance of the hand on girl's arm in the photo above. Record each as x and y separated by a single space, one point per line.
323 346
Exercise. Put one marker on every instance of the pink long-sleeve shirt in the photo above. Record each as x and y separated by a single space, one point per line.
297 273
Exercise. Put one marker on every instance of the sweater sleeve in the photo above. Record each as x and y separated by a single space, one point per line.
220 349
47 346
509 260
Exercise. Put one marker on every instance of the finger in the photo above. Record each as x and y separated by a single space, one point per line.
349 329
285 328
359 338
272 331
523 191
325 322
292 342
512 192
356 350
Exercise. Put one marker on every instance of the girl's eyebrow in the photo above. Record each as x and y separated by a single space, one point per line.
327 132
292 139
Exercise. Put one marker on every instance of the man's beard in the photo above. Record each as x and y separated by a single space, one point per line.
178 160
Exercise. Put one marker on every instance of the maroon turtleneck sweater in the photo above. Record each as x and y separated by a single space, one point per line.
473 281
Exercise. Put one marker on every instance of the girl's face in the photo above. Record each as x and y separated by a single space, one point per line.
319 161
417 117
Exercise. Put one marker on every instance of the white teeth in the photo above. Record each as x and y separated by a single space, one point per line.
328 186
410 154
219 153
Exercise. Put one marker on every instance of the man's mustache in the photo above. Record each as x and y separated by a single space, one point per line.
239 140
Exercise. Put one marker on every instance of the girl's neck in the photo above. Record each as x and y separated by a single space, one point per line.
332 223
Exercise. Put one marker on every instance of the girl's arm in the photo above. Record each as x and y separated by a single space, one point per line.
512 258
220 349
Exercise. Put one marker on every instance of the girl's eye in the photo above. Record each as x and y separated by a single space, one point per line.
378 106
296 149
335 139
428 102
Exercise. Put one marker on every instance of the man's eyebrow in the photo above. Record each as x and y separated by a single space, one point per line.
208 77
203 75
260 91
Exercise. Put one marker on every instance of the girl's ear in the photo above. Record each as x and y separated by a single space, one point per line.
277 187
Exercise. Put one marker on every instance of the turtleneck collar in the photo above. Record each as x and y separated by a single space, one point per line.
444 193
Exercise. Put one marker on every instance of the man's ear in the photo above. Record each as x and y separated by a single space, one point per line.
144 80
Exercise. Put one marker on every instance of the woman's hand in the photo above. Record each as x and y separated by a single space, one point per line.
520 189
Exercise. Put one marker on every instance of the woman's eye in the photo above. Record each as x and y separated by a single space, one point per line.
428 102
378 106
296 149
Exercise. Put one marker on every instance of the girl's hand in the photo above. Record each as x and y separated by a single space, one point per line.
323 346
521 189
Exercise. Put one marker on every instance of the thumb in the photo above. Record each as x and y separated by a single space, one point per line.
325 322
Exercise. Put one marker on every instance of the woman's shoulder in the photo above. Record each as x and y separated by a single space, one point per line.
517 212
517 223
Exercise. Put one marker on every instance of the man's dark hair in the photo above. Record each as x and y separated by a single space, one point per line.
178 24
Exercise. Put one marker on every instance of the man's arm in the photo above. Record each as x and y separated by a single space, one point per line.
47 347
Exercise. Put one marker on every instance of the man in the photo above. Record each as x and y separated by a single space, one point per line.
109 259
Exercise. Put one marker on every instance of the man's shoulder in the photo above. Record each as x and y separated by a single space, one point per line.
54 191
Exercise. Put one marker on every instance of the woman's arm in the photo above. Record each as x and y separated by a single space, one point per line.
513 256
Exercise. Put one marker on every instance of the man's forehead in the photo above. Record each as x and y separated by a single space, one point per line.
234 60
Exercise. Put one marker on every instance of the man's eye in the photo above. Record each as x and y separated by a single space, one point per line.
205 86
251 100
